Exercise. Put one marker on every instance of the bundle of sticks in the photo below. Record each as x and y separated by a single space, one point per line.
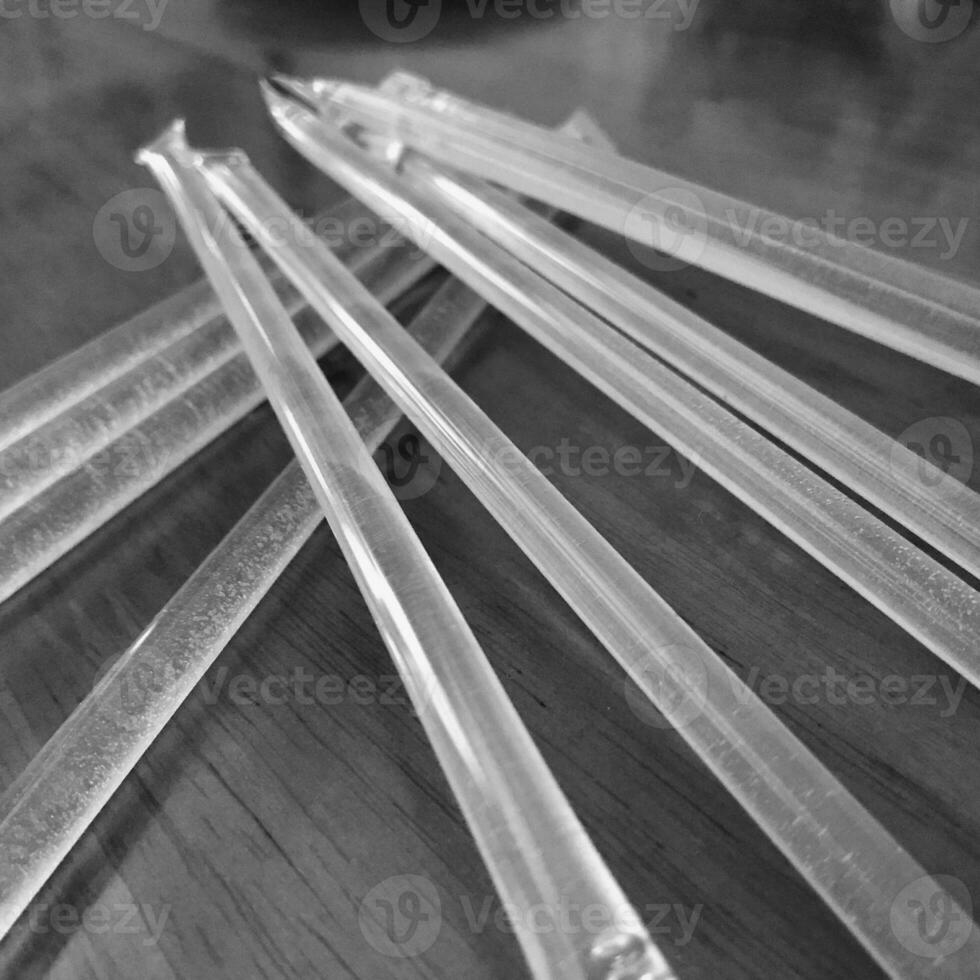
117 416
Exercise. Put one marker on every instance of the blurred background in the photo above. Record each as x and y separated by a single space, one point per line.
835 104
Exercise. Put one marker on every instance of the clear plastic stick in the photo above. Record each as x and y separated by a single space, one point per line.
929 601
46 811
893 302
920 496
79 375
836 845
45 529
535 849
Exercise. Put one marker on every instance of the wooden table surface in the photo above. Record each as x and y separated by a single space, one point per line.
252 836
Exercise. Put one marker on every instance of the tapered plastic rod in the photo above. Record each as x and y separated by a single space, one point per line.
80 374
53 802
41 458
932 603
46 811
849 859
921 497
67 784
44 530
895 303
535 849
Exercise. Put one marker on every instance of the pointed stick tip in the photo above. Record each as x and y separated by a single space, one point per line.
290 87
172 139
400 83
584 126
279 97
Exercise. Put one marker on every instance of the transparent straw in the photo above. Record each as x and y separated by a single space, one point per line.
893 302
920 496
106 481
935 606
66 785
45 529
837 846
80 374
535 849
